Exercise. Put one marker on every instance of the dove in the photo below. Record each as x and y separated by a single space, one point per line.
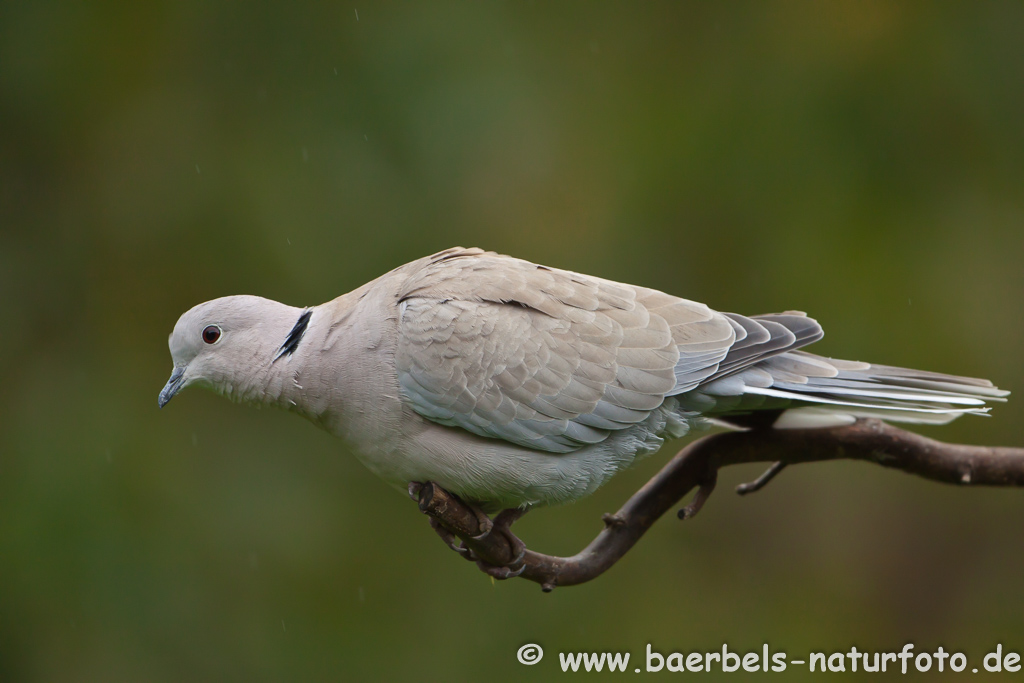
515 385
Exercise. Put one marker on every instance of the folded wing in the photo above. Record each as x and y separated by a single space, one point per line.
546 358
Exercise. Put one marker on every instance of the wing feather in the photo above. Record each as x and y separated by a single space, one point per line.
545 358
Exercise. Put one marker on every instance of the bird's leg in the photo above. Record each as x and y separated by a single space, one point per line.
501 524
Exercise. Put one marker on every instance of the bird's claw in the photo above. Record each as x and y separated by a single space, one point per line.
501 524
501 573
450 539
486 525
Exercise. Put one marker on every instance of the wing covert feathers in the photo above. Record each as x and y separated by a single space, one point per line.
542 357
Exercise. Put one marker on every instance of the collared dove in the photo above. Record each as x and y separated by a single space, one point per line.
512 384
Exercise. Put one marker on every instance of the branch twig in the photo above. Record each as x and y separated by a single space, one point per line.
697 466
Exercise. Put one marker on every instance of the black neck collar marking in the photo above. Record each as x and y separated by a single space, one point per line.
295 336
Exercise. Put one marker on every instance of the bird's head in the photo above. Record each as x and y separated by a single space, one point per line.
224 344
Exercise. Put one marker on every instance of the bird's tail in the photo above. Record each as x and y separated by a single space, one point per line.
814 391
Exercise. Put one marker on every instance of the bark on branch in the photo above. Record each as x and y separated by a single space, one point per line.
697 465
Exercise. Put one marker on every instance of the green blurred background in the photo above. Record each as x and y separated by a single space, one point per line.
862 161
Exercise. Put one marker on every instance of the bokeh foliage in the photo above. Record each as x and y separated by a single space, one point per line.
863 161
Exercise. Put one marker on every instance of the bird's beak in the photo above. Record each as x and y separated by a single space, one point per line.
173 385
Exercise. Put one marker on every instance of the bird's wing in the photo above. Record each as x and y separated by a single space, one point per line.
546 358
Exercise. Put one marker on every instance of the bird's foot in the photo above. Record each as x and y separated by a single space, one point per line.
450 539
501 524
494 535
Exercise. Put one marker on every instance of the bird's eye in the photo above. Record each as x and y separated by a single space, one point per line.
211 334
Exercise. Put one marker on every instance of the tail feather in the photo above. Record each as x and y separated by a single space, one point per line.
818 390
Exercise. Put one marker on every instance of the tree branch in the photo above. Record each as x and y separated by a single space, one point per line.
697 466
